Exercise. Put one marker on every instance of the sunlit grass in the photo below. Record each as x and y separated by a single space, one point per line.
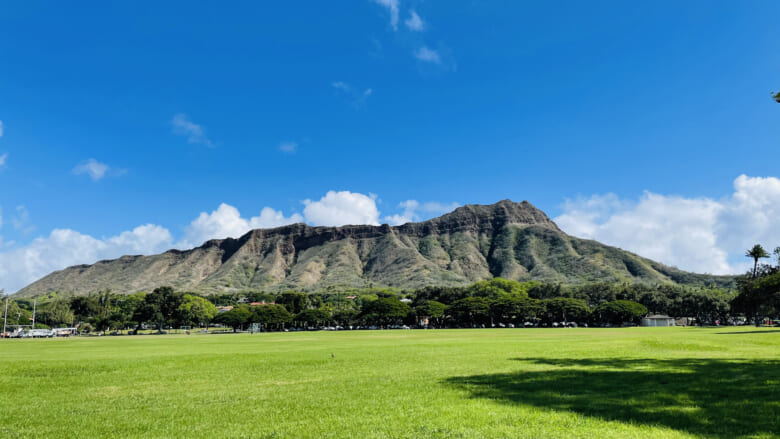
634 382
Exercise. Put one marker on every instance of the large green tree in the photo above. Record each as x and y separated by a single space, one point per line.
512 309
758 297
433 310
294 302
57 313
272 316
385 310
756 252
236 318
312 317
471 311
160 307
196 309
620 311
566 309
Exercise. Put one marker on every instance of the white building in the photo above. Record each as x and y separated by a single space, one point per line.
658 320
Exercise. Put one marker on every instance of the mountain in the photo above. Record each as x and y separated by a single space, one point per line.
474 242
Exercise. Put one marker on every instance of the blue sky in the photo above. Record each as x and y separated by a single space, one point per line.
603 114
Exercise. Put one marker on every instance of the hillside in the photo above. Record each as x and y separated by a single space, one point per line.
474 242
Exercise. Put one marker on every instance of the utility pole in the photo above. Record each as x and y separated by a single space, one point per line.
5 316
35 302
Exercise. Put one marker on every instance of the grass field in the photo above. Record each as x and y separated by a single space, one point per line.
633 382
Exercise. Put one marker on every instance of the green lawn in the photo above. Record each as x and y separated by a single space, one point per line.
633 382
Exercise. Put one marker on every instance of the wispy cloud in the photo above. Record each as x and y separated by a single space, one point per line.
21 221
96 170
392 8
3 157
414 22
288 147
356 96
415 211
427 55
183 126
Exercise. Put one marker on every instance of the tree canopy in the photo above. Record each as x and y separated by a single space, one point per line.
620 311
756 252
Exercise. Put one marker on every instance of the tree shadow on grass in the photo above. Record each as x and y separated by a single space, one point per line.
707 397
770 331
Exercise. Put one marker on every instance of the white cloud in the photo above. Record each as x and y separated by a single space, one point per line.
427 55
413 211
226 222
3 158
392 8
352 94
341 208
414 22
288 147
270 218
62 248
21 221
65 247
183 126
1 128
341 85
697 234
95 169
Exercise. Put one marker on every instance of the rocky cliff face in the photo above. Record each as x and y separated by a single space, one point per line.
474 242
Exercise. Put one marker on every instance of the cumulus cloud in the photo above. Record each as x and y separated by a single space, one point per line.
3 158
183 126
21 265
65 247
270 218
426 54
93 168
414 22
697 234
226 222
340 208
413 210
392 8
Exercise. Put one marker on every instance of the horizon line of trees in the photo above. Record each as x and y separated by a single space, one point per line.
484 303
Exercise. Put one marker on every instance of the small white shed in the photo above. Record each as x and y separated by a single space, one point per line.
658 320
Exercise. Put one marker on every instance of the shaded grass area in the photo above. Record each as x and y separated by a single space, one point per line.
707 397
620 383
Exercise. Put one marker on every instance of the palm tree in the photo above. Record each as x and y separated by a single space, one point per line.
756 253
777 96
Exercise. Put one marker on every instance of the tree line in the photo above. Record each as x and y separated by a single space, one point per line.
495 302
759 290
